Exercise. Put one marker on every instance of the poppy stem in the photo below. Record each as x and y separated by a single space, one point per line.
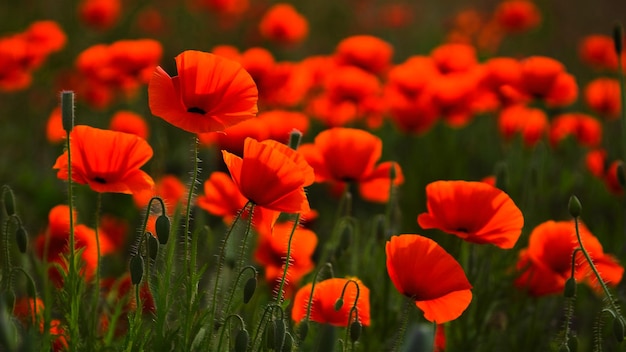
194 178
403 324
96 295
220 264
226 321
609 297
279 294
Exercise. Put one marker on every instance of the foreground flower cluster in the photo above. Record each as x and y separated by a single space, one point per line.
387 202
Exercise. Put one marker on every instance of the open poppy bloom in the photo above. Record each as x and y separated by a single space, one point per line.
283 24
272 176
474 211
209 94
271 252
602 95
516 16
422 270
350 155
325 296
107 161
546 264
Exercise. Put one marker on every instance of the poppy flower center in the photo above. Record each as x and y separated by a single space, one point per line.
462 229
100 180
196 110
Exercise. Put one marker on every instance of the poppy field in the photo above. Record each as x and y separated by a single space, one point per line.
243 175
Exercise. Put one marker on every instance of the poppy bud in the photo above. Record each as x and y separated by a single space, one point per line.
392 173
355 330
67 110
241 341
136 269
570 288
295 136
303 329
270 335
618 37
21 237
288 345
248 289
618 328
163 228
574 206
279 334
153 246
573 343
9 201
339 303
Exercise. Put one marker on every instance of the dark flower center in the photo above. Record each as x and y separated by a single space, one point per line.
196 110
462 229
100 180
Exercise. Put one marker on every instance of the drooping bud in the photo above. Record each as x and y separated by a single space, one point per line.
67 110
339 303
136 269
618 38
355 330
621 174
279 334
241 340
21 237
618 328
570 288
248 289
162 227
303 329
574 206
573 343
153 246
270 335
288 345
9 201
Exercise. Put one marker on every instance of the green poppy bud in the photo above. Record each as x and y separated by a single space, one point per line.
574 206
153 246
618 328
241 341
288 345
303 329
339 303
136 269
355 330
248 289
570 288
618 39
9 201
21 237
279 334
67 110
163 228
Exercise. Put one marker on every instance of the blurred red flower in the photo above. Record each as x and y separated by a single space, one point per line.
99 14
517 16
473 211
129 122
586 129
531 123
170 189
547 262
283 24
325 295
366 52
350 155
209 94
423 271
107 161
602 95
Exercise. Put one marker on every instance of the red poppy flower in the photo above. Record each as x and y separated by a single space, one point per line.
24 310
209 94
531 123
517 15
598 51
271 252
602 95
366 52
129 122
547 262
107 161
283 24
271 175
100 14
54 127
350 155
423 271
493 217
585 128
221 196
170 189
325 296
545 78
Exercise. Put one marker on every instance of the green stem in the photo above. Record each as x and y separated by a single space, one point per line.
243 325
594 269
192 188
73 278
403 324
232 292
279 295
96 296
220 263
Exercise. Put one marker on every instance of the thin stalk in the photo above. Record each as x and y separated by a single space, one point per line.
279 295
192 187
96 295
220 263
72 279
403 324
